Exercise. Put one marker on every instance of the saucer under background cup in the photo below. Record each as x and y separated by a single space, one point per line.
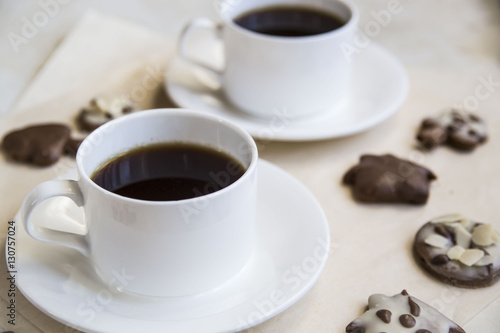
379 87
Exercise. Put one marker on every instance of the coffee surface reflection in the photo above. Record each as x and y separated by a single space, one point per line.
289 21
166 172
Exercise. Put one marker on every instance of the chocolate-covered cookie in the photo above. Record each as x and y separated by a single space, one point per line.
389 179
459 129
401 313
459 251
103 109
40 144
72 146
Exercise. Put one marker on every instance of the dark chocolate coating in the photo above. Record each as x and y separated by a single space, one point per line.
431 134
384 315
39 144
451 271
407 320
72 146
456 330
460 130
353 328
414 308
389 179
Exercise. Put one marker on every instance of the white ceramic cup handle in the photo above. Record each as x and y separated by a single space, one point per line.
199 23
46 190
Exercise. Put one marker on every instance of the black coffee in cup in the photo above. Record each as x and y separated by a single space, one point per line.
289 21
170 171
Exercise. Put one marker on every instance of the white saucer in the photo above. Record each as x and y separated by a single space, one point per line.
380 86
292 232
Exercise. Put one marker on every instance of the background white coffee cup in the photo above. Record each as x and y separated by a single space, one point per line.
263 73
164 248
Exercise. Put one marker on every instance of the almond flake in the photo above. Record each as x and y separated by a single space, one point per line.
485 261
455 252
466 223
436 241
447 218
462 237
483 235
495 237
471 256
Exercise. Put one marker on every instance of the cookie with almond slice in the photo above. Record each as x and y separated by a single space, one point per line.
459 251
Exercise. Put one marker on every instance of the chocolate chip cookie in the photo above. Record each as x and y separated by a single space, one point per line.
401 313
458 129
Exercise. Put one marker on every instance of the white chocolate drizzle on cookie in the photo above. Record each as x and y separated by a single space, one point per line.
401 313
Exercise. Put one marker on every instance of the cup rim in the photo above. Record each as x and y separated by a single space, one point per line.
82 174
351 24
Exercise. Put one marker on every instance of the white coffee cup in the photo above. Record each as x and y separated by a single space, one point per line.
164 248
262 73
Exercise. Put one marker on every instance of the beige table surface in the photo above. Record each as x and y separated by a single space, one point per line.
370 243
